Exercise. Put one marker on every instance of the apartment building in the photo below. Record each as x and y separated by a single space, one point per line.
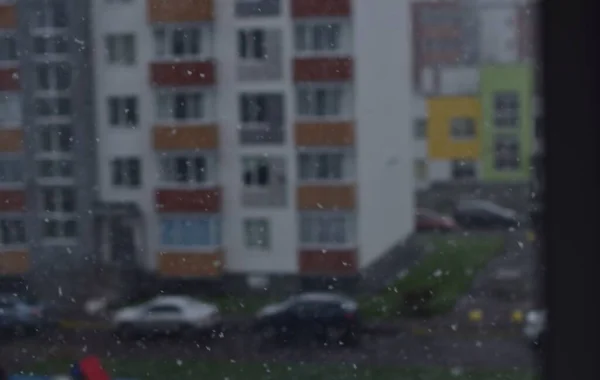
47 144
475 94
255 140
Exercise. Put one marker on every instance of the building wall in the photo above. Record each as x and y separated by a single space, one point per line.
442 146
384 171
507 78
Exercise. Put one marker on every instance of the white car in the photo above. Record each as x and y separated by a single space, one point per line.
535 327
166 314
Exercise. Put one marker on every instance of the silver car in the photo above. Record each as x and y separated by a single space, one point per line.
535 327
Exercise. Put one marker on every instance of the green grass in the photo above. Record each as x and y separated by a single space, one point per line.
183 370
438 281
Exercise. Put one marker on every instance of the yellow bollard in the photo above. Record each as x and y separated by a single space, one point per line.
475 315
530 236
517 316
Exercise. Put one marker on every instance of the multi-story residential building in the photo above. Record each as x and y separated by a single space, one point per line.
46 139
253 140
474 80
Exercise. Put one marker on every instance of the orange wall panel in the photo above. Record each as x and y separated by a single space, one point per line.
186 138
190 265
326 197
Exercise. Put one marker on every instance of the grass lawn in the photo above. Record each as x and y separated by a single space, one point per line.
437 282
155 370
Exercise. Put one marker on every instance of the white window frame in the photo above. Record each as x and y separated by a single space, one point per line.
55 138
214 226
166 171
16 164
338 101
348 165
507 114
166 103
162 37
56 165
62 221
251 44
48 20
15 220
11 106
123 111
514 138
50 53
463 128
456 164
303 34
126 166
310 223
54 118
53 68
58 198
122 56
252 163
257 234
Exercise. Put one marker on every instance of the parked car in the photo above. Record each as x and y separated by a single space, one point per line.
23 316
328 317
428 220
480 214
535 329
166 315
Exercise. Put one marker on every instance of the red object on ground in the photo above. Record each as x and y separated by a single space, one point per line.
91 368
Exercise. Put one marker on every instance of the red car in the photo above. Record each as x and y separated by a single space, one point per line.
428 220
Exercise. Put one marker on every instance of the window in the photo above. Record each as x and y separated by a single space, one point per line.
462 128
252 44
179 42
186 168
123 111
323 166
46 107
12 231
51 45
53 76
56 168
258 172
53 228
318 36
10 108
420 128
11 170
506 109
320 101
463 169
507 152
58 199
55 138
126 172
190 231
8 48
421 169
120 49
256 231
326 229
253 108
53 14
180 105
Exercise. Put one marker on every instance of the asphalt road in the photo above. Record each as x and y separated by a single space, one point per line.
403 349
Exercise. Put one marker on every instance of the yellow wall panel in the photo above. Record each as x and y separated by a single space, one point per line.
440 112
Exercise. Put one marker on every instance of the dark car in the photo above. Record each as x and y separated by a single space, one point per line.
328 317
428 220
23 316
479 214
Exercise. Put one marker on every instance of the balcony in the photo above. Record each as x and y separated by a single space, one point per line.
321 8
268 66
11 140
324 134
12 201
330 262
9 80
174 74
180 11
186 138
8 16
190 265
326 197
323 69
188 201
14 263
262 133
